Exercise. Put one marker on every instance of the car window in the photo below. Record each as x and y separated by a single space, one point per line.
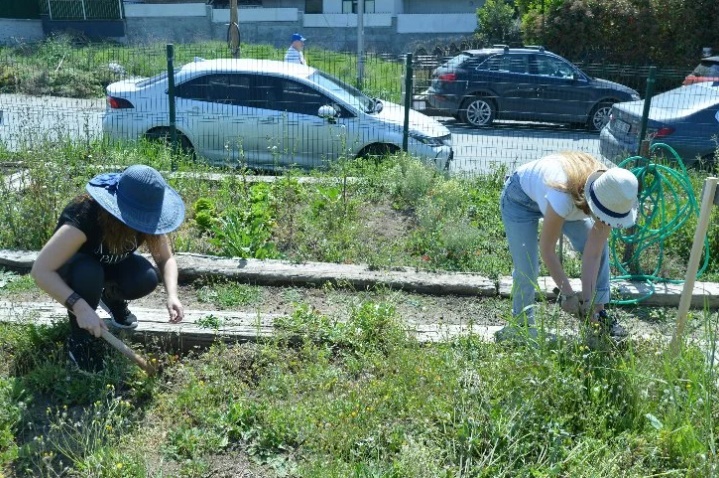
457 61
550 66
349 95
264 93
299 98
507 63
209 88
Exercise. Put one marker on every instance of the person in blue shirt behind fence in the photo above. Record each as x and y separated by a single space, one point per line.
294 52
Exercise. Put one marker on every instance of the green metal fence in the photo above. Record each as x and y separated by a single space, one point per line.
57 89
82 9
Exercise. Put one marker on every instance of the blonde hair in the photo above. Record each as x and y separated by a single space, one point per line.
577 166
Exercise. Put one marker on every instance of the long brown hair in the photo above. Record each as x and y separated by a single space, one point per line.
577 166
117 236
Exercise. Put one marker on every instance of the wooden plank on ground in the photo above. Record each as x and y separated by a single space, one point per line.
230 326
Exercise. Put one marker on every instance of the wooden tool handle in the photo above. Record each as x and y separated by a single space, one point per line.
127 351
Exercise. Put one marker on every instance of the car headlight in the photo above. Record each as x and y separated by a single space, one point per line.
445 140
635 96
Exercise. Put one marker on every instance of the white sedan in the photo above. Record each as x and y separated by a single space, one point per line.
269 114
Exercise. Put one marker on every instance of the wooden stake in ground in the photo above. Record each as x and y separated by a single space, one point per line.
710 186
121 347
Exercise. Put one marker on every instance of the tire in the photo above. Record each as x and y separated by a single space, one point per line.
599 116
377 151
163 135
477 111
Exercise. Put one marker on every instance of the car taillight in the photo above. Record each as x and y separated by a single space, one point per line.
118 103
448 77
663 132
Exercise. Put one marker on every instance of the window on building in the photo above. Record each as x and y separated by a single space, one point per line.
350 6
313 6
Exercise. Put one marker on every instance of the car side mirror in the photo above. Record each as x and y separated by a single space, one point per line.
328 112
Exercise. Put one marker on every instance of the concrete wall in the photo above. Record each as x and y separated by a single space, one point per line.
20 31
176 30
445 23
189 22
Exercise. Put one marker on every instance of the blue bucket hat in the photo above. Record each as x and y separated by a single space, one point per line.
140 198
297 37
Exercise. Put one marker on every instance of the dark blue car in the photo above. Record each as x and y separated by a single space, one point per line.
525 84
685 118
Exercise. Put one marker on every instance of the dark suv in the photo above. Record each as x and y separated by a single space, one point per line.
525 84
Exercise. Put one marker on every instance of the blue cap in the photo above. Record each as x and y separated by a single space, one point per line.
297 37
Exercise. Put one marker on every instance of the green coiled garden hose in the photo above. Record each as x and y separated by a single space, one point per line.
666 203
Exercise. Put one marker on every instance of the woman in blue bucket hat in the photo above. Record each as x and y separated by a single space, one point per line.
92 255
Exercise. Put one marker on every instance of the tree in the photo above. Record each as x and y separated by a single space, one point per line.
497 23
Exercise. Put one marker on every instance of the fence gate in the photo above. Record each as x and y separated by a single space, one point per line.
91 19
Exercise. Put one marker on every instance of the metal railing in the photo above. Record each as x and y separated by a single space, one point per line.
83 9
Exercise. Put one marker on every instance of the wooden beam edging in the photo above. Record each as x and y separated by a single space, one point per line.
360 277
227 326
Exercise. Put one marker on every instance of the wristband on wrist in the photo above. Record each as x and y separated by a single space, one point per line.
71 300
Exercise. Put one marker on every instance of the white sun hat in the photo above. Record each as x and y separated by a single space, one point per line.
612 196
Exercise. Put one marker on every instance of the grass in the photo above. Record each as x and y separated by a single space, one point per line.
360 399
331 397
60 67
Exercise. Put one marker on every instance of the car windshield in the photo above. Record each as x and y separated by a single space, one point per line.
346 93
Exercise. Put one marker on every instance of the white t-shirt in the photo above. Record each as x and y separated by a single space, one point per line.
294 56
535 177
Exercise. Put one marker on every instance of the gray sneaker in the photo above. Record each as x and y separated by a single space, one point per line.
121 317
611 326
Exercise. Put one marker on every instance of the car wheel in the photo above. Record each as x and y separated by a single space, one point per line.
599 116
377 151
163 135
477 111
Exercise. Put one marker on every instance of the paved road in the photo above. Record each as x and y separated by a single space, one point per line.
30 120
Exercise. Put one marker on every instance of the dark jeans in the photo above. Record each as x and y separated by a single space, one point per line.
130 279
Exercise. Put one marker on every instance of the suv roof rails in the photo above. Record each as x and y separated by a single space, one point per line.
535 47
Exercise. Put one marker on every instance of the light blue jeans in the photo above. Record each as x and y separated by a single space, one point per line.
520 216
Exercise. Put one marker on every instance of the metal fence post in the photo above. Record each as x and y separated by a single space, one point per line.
49 9
407 100
119 8
171 101
643 142
84 13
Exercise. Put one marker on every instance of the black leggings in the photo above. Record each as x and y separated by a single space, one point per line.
131 279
